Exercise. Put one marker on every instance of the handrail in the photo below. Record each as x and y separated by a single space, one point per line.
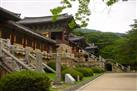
45 65
16 59
122 66
7 69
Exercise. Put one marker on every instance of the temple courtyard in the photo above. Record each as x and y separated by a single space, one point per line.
112 82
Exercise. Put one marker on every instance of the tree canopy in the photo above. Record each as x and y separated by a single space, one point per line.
83 10
122 48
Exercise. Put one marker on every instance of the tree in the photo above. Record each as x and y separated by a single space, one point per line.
82 13
106 41
127 51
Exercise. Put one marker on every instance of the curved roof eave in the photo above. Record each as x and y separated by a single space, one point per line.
31 32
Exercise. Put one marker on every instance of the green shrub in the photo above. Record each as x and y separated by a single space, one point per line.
85 71
73 73
97 70
63 67
52 64
25 81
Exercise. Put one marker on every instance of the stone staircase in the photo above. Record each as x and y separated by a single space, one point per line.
10 61
121 68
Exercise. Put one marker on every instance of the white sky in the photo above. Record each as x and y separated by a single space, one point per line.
114 19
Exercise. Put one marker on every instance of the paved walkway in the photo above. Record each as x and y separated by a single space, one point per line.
112 82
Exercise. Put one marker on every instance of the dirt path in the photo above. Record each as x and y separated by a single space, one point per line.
113 82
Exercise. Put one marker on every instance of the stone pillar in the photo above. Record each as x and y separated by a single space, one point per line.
117 64
128 69
27 60
39 61
12 49
1 46
8 43
100 58
122 67
58 67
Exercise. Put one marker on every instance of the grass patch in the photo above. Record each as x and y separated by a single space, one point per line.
51 76
68 87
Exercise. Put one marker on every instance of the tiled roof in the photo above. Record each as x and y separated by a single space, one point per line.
75 38
44 19
9 15
91 47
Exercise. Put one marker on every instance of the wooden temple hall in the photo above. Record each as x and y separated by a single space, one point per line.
41 33
58 30
31 42
19 34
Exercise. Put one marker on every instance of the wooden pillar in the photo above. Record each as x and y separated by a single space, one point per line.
0 33
26 42
1 46
47 47
42 46
62 36
12 38
23 42
33 45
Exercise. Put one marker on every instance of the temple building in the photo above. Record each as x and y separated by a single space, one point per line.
19 34
59 31
56 30
33 34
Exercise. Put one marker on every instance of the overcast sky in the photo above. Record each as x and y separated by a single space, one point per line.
114 19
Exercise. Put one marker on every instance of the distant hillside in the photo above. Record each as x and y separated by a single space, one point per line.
86 30
93 30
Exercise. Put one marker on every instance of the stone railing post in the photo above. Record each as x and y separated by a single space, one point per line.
1 46
58 66
39 61
128 68
8 43
12 49
100 58
27 52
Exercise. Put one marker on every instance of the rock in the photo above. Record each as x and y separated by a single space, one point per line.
69 79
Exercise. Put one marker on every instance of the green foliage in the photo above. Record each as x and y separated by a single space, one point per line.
72 24
56 11
83 10
73 72
97 70
101 39
63 67
127 53
104 40
85 71
25 81
110 2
